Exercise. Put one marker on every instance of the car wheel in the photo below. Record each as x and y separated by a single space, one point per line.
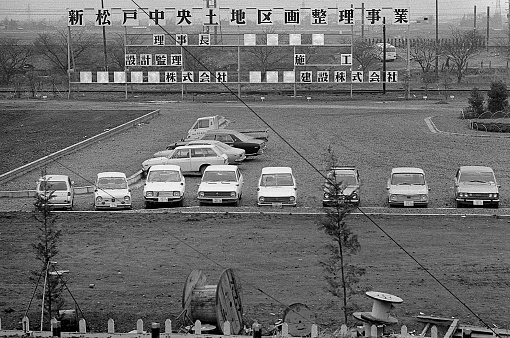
180 203
202 169
148 205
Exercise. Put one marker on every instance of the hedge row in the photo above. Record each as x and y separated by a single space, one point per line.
490 126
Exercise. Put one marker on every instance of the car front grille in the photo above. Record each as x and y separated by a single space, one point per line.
401 198
280 199
217 194
478 195
166 194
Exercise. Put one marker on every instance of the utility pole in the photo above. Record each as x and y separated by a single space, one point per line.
384 54
488 26
474 18
104 43
437 42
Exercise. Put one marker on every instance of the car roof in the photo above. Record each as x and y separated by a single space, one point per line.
54 178
195 146
224 167
475 168
222 131
202 142
165 167
407 170
111 174
351 169
276 170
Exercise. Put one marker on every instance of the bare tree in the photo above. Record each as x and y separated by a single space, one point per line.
54 47
13 56
423 51
117 47
363 53
266 57
461 48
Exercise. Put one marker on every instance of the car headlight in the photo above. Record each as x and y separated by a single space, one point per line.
462 194
149 194
127 199
354 196
99 199
423 197
292 198
201 194
327 195
233 194
177 194
493 195
261 199
393 197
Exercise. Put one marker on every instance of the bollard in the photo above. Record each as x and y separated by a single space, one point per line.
56 329
155 329
257 330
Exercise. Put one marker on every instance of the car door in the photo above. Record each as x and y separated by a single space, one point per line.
240 180
456 183
181 158
196 159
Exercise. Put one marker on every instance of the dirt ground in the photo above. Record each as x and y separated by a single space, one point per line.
139 261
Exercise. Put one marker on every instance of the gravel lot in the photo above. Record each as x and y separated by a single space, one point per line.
373 136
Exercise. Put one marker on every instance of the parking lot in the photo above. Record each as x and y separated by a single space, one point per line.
373 136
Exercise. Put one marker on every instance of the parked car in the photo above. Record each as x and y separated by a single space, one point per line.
192 159
234 154
56 191
164 184
407 187
111 191
221 184
342 186
203 124
233 138
277 187
476 186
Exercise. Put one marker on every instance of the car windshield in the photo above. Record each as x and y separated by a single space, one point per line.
273 180
219 176
111 183
408 179
53 186
480 177
343 178
164 176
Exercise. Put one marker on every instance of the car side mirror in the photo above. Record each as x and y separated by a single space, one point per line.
72 182
182 183
258 189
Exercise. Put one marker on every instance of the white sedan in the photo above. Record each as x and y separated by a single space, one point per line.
221 184
277 187
164 184
193 159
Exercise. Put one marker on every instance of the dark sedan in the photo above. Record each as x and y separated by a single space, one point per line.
233 138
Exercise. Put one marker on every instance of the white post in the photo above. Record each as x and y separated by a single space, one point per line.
315 331
168 326
227 329
403 332
25 324
111 325
82 326
433 331
198 327
139 326
285 330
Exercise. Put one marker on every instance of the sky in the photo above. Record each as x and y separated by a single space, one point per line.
418 8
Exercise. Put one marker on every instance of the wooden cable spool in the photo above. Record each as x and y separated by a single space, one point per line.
299 319
213 304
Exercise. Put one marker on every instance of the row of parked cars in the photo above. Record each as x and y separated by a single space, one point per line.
223 184
165 185
408 187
